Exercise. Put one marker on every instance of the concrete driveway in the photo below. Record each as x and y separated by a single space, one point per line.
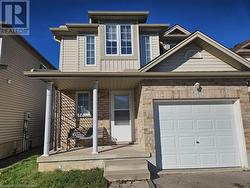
205 180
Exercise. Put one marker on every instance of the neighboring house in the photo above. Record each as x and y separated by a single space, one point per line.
243 49
22 100
181 97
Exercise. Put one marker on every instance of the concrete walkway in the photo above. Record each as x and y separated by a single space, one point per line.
205 180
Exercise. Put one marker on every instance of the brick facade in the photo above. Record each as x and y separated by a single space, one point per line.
144 94
184 89
68 117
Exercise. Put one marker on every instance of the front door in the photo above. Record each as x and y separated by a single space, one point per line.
121 116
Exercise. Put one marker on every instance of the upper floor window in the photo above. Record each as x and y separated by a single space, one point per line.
90 50
111 39
118 39
126 42
145 45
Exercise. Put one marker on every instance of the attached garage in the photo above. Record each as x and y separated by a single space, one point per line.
199 134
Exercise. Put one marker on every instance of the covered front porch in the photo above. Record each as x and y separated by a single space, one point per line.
82 158
90 121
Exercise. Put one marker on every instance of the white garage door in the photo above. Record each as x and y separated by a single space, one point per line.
196 135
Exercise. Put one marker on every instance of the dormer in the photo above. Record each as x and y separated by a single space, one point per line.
173 36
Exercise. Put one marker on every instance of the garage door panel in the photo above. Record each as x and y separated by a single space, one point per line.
223 124
201 109
228 158
206 141
225 141
209 159
188 160
205 124
197 135
186 141
185 124
182 109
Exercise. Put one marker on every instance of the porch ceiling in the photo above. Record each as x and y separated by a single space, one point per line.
87 83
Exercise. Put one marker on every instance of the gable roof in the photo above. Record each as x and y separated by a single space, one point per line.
241 45
205 39
176 28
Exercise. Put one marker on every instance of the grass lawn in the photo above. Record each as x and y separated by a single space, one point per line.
24 174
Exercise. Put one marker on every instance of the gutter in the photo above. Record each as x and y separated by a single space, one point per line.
145 75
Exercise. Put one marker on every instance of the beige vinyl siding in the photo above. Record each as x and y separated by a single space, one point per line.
119 63
155 46
82 55
179 63
18 96
69 54
72 54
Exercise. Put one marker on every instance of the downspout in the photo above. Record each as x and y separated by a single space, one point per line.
2 66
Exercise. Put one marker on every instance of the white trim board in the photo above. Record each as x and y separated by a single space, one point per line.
1 43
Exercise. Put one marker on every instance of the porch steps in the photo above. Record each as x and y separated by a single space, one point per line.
126 169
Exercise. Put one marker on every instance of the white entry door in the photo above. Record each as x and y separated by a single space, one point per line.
192 134
121 116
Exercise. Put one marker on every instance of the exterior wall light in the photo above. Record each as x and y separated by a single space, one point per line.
197 86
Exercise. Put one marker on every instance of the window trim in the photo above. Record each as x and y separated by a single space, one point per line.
132 37
150 45
1 42
105 38
118 35
76 104
85 51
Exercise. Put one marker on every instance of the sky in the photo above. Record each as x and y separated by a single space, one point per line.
226 21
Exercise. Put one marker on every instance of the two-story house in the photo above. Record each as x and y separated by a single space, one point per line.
179 99
22 102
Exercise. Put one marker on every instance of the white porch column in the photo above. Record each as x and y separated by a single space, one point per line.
95 118
47 119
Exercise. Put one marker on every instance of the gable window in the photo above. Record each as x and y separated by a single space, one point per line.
126 43
82 104
111 39
118 40
90 50
145 49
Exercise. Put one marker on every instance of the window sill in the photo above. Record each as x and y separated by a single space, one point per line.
83 116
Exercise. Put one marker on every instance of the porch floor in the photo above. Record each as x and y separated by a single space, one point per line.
82 158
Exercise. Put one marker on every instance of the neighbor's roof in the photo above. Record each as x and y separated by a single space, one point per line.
140 16
241 45
205 39
22 40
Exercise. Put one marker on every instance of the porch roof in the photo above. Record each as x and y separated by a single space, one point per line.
119 80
